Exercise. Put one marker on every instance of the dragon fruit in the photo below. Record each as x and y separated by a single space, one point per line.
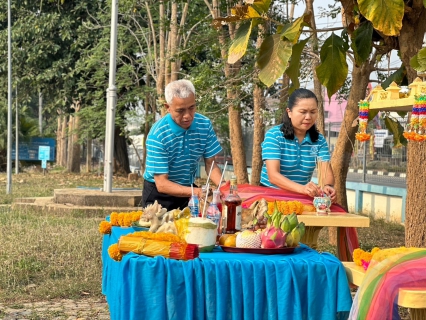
274 236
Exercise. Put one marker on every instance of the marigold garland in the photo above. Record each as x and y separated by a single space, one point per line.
362 134
363 258
386 253
105 227
124 219
119 219
114 252
417 127
286 207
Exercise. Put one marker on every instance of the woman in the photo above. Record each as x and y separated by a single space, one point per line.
291 150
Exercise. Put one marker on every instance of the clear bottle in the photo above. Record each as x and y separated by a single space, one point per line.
213 212
193 205
233 208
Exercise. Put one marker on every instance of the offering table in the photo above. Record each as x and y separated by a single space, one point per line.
219 285
315 223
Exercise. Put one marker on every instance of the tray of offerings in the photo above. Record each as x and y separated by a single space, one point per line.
283 250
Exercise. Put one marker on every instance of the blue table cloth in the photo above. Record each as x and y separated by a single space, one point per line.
221 285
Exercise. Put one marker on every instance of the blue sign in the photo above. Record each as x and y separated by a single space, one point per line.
29 150
43 153
43 164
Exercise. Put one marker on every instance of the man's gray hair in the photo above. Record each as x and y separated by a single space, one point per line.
180 89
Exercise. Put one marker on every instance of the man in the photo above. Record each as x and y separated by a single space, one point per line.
174 146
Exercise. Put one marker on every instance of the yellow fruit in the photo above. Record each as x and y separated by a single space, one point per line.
230 241
223 238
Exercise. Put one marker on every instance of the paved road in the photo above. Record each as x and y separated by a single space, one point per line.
378 179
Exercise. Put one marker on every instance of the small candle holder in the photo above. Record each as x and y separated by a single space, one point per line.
322 204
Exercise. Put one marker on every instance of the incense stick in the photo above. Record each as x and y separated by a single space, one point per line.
223 173
207 190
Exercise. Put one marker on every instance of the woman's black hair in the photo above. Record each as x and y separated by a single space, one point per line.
287 126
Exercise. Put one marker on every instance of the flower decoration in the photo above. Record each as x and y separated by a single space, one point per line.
286 207
119 219
417 127
105 227
362 134
114 252
363 258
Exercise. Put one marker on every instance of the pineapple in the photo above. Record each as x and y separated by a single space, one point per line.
248 239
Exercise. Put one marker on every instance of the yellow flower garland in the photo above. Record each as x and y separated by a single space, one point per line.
105 227
114 252
362 258
119 219
286 207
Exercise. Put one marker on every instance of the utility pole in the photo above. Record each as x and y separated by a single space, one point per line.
111 102
9 99
40 113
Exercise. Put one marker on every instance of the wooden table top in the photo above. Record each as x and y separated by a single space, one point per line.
334 219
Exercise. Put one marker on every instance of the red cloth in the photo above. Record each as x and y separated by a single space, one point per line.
250 194
347 238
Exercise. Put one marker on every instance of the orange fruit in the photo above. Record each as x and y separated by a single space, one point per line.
223 238
231 241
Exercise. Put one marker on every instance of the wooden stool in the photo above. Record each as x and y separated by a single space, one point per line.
413 299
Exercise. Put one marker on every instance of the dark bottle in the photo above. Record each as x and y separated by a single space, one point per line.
233 208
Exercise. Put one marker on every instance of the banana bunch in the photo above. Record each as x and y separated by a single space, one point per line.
293 229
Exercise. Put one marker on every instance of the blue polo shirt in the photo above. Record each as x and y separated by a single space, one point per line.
175 151
297 160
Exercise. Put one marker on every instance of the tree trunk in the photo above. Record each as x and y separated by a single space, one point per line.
410 41
315 63
120 153
173 42
162 49
284 91
332 231
345 142
76 147
59 140
234 114
259 126
70 142
64 139
258 135
89 155
167 70
147 127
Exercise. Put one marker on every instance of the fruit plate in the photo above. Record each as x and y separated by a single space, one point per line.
259 250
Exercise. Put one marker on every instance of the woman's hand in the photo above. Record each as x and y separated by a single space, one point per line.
330 192
311 189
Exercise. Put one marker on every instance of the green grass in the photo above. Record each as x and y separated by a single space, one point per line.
47 255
